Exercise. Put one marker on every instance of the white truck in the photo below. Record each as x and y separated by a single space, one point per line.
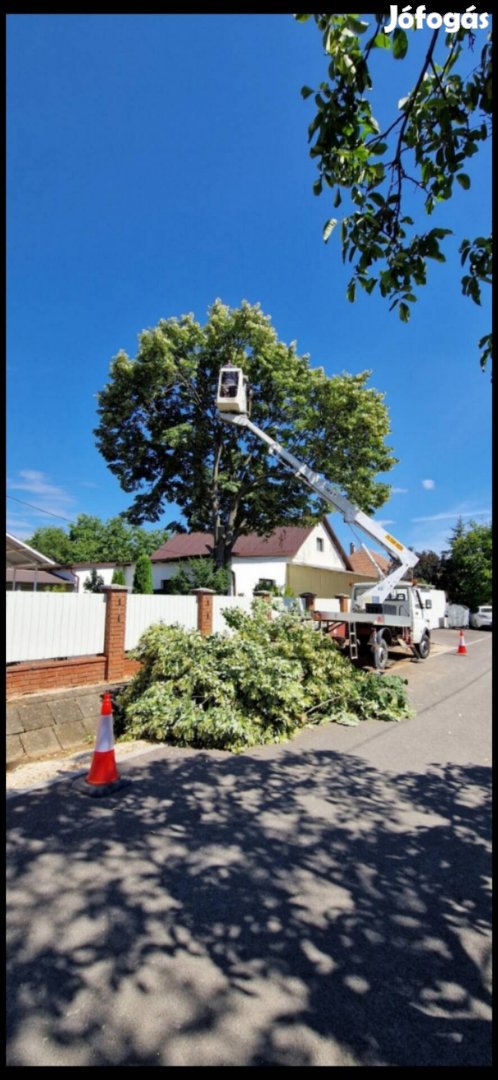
385 612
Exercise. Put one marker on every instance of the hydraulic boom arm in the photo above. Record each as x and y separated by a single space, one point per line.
351 514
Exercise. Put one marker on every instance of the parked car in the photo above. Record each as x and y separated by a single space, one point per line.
482 618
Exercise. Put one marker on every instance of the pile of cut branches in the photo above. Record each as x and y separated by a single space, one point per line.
261 684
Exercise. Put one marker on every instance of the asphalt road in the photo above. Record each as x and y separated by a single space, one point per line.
326 902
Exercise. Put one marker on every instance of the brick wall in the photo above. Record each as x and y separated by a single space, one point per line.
37 675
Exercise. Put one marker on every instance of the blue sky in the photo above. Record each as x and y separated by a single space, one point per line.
155 163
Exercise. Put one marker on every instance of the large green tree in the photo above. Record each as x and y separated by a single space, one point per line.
423 147
467 566
428 568
90 539
161 436
53 542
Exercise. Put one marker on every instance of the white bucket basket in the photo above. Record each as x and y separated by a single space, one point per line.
232 390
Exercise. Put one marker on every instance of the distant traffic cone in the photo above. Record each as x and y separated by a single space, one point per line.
462 648
103 776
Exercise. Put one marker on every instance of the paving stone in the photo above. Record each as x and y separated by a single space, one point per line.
90 705
14 722
71 734
66 710
90 725
35 715
40 742
15 750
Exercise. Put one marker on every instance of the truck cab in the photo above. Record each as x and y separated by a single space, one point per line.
401 618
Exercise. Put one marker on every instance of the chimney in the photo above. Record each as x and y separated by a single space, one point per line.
351 549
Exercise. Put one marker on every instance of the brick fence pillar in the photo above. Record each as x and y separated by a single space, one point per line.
204 610
115 629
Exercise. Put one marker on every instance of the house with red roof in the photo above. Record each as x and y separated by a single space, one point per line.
305 559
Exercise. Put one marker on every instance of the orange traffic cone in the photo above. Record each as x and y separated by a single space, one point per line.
462 648
103 776
103 768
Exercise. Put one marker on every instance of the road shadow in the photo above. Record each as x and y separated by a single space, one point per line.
294 909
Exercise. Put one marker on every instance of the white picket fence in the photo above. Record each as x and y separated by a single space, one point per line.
324 604
48 626
144 611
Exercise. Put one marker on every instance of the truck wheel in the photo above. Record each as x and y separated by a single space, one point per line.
380 653
423 649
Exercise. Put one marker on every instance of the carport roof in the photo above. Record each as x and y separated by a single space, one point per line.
20 556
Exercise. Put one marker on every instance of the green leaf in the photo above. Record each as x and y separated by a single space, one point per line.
378 148
306 91
400 44
302 18
329 228
351 292
382 41
404 312
356 25
463 180
338 199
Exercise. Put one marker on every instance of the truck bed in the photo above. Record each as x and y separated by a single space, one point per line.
381 619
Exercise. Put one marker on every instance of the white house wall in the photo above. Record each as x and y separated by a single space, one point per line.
128 572
163 572
82 575
249 571
309 555
106 573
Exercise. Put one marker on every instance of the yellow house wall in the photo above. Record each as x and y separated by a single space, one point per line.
327 583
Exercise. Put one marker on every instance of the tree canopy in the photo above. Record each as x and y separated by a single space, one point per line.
467 568
160 433
464 571
198 573
92 540
428 569
436 127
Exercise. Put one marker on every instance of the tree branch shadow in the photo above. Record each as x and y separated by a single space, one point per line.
296 909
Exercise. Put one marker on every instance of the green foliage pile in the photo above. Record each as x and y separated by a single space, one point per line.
260 685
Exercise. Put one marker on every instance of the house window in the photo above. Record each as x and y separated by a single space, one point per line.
319 543
265 585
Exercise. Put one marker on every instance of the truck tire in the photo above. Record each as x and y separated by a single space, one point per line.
380 653
423 648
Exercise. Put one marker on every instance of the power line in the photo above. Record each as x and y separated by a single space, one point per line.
49 512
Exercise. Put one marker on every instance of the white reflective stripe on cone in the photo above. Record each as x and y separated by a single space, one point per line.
105 739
